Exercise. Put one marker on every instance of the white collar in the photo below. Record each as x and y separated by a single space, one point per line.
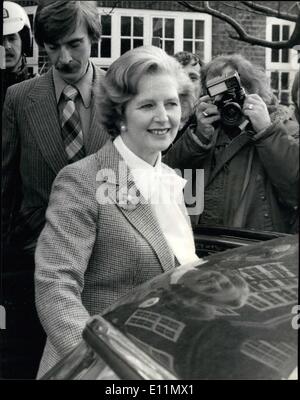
133 161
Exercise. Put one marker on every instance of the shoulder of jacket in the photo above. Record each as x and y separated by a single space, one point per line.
19 89
99 71
83 171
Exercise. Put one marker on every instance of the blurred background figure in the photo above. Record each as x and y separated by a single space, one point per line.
17 41
191 64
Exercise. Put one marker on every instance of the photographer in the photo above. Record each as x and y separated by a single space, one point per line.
250 159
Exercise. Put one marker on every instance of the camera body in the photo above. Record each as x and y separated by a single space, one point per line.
233 96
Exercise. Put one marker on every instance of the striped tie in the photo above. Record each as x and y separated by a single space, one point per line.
71 129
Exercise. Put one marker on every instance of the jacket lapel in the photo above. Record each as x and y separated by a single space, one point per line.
97 134
42 115
141 215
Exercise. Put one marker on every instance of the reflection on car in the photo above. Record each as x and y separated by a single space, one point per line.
228 316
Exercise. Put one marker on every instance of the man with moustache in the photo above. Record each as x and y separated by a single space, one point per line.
17 42
48 122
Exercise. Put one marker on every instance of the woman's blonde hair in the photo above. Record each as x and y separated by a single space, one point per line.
120 84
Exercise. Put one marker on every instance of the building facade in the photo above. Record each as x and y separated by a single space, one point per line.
128 24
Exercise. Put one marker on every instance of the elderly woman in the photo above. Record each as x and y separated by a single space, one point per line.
251 162
116 218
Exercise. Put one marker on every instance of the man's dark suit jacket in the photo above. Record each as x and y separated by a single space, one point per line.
33 153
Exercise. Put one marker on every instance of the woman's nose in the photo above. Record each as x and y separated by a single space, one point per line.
161 114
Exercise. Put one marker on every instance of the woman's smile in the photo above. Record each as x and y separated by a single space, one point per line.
159 132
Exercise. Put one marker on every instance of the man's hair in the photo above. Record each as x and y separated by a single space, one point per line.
56 19
186 58
120 84
253 77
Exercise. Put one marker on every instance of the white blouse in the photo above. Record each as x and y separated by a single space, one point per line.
162 188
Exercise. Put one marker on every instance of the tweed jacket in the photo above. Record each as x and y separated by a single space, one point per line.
92 252
33 153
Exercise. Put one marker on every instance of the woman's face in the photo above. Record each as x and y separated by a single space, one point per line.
152 116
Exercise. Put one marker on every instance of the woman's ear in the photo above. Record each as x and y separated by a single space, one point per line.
123 127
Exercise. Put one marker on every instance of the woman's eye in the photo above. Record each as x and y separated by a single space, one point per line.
145 106
172 104
75 44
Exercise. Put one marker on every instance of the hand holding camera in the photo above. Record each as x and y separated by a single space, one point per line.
255 109
235 105
207 113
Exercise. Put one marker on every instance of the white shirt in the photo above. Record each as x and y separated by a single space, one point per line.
162 188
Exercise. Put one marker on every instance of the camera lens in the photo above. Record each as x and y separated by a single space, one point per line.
231 114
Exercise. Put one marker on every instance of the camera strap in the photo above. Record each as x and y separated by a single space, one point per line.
236 144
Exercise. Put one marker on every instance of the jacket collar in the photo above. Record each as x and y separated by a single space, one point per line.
114 172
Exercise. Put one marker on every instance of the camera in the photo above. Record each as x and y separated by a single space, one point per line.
233 96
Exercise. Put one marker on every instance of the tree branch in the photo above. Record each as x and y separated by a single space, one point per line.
242 35
270 12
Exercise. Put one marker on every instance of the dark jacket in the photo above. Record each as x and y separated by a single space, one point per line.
271 163
11 78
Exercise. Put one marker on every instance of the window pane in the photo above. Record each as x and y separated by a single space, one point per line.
169 28
94 50
284 80
199 29
125 26
106 25
275 55
284 98
188 29
138 26
125 45
169 47
156 41
105 48
285 32
274 80
188 46
157 27
199 49
285 55
275 33
138 42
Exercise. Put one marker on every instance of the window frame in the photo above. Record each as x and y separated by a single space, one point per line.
290 67
148 16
